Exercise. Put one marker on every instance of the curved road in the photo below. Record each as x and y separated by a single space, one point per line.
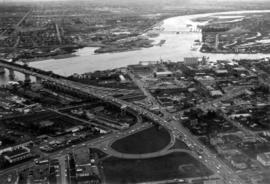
113 152
174 126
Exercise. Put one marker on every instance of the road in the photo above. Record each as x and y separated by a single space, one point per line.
244 129
173 127
23 18
63 165
81 120
62 81
99 142
209 159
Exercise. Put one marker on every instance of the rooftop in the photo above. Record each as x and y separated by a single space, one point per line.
16 152
265 156
82 156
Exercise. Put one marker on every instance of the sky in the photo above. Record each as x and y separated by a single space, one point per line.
176 2
127 0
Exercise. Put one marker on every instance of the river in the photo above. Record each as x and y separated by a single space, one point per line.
176 47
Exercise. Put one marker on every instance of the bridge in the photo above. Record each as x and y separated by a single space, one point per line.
174 127
54 79
79 88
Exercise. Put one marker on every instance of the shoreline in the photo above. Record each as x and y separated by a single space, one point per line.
99 46
60 56
175 49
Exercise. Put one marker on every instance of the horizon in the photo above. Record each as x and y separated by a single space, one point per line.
126 1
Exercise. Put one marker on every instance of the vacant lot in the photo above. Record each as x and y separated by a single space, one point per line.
147 141
175 165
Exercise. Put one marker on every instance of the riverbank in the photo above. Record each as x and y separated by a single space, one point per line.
177 47
61 56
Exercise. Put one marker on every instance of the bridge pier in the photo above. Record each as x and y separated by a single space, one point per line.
38 80
2 70
27 78
123 110
11 74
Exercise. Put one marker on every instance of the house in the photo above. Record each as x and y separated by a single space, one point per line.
264 158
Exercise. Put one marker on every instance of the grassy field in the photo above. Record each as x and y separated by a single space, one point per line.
176 165
147 141
180 145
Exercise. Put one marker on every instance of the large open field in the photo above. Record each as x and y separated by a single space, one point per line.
147 141
172 166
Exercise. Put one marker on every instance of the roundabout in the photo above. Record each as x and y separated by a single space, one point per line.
147 141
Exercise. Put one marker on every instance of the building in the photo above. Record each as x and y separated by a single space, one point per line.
221 73
85 167
83 162
17 155
206 80
216 140
222 149
216 93
39 174
240 71
11 148
163 74
264 158
74 129
238 163
122 78
245 115
191 61
141 69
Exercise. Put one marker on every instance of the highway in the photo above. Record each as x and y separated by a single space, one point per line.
174 127
208 158
60 80
83 88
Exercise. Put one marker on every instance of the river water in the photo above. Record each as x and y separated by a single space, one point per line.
176 47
